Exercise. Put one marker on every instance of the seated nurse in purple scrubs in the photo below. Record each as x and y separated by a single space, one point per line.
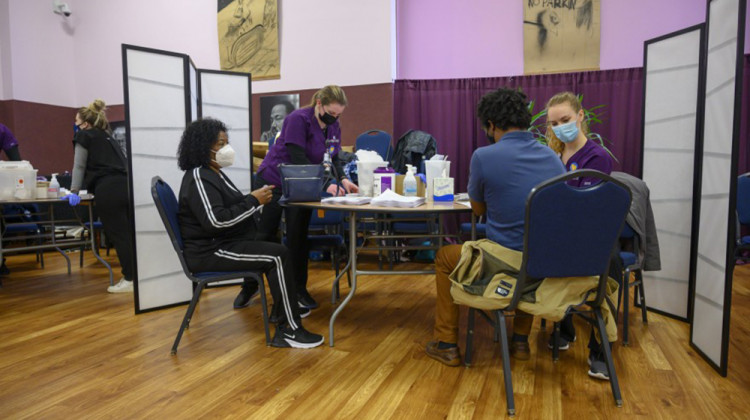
566 135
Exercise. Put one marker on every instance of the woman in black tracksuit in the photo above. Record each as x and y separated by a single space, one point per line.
218 228
99 166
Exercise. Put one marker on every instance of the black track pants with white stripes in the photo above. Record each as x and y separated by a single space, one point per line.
267 257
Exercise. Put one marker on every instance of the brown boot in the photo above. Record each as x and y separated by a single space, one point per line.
449 356
520 350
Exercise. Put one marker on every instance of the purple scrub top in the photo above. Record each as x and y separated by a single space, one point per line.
7 140
590 156
302 129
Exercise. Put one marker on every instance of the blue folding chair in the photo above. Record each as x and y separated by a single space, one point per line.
377 141
743 216
166 204
569 232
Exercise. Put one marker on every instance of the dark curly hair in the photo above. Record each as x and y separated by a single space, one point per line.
196 142
506 108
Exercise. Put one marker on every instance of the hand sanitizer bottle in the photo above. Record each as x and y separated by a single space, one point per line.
410 182
53 191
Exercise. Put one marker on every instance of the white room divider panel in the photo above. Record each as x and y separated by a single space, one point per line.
157 108
227 97
717 178
671 98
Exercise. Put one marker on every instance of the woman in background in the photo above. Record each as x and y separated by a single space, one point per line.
99 166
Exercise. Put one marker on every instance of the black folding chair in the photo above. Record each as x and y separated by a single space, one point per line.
166 203
569 232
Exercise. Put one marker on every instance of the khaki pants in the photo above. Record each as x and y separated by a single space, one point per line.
446 312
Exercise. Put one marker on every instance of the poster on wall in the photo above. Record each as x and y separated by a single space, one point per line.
249 37
273 111
560 35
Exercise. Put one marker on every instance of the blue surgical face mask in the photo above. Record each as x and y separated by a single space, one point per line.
566 132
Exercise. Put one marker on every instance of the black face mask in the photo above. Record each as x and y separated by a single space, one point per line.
327 118
490 138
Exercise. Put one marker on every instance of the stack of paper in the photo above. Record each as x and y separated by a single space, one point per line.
347 200
391 199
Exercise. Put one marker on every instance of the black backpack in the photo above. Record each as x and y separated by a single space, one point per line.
412 148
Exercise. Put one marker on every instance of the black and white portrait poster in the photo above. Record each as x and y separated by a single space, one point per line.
273 111
560 35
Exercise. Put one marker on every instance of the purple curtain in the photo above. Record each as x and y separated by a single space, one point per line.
447 110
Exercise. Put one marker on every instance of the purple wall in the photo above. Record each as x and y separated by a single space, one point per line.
444 39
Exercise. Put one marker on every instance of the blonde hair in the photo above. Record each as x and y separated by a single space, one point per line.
564 98
95 115
329 94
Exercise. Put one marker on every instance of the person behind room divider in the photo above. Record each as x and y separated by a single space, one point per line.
306 135
99 166
218 227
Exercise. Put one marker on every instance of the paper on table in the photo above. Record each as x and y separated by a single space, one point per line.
391 199
347 200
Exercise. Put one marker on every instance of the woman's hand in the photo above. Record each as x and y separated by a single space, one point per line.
263 194
350 186
335 190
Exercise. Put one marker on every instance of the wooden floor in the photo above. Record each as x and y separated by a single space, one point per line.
69 350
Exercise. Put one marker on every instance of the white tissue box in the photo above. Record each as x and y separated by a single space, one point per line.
442 190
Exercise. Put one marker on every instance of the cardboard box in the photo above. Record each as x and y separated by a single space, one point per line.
400 185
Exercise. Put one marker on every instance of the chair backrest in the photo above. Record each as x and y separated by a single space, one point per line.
330 217
166 204
571 232
627 232
743 198
377 141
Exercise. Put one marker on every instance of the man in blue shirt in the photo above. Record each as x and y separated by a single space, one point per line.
501 177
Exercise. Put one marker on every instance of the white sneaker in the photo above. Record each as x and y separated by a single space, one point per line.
124 286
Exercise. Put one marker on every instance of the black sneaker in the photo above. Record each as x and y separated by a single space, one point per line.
248 292
303 313
298 339
598 368
562 343
306 301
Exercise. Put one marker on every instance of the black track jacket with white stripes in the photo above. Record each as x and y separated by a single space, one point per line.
213 211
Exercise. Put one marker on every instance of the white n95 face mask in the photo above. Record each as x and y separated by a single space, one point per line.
225 156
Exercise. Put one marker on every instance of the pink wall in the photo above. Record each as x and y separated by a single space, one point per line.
443 39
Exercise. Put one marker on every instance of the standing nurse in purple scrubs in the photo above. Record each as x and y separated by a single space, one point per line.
307 134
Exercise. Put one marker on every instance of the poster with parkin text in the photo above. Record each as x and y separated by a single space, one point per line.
560 35
248 33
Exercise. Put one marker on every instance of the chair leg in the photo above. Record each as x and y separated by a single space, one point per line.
469 338
608 358
505 351
264 307
188 315
555 340
642 294
626 307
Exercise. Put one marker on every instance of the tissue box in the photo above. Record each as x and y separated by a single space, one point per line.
443 190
